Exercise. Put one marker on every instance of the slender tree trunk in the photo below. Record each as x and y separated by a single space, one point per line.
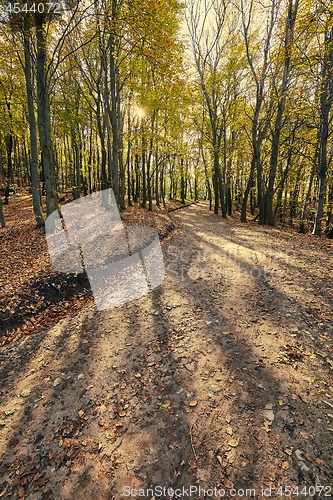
77 170
114 109
144 174
129 129
44 119
150 200
182 181
121 188
216 177
290 23
247 192
157 193
2 217
326 100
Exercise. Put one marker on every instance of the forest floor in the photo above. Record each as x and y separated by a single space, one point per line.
220 377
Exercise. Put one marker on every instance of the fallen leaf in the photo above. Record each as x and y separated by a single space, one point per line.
288 451
266 426
138 375
233 442
308 457
44 481
229 430
25 393
228 484
87 442
304 434
10 411
225 333
285 465
304 398
57 382
194 402
294 397
101 409
80 413
228 419
122 413
319 461
188 410
3 492
110 434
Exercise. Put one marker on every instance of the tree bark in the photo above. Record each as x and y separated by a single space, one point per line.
2 217
44 119
326 100
290 23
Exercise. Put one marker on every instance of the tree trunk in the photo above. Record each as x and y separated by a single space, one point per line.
2 217
44 120
114 110
144 174
247 192
129 199
216 177
326 100
157 193
182 181
290 23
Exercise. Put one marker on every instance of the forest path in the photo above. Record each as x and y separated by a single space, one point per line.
221 377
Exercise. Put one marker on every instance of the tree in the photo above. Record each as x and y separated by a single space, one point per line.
281 102
208 41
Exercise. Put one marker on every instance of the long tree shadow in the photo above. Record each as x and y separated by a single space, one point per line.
170 390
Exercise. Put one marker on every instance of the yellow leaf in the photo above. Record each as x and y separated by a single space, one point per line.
110 434
101 409
304 434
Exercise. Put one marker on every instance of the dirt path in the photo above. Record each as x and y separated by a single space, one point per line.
221 377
